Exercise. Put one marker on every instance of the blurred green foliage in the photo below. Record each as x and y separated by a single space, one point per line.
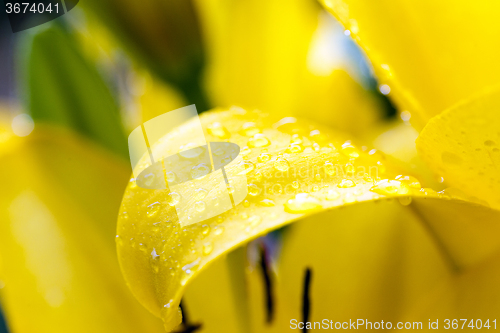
165 36
61 87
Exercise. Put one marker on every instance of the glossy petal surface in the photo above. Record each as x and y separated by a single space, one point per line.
58 204
432 54
463 145
159 255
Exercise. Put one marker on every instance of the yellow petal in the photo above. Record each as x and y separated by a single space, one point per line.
259 57
423 50
463 145
59 200
160 254
475 294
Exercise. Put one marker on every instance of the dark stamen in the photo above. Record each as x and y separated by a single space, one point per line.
306 299
187 327
268 283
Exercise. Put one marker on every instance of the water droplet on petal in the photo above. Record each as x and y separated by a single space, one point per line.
149 179
205 229
264 157
191 150
410 181
207 248
218 231
281 164
294 148
153 209
349 150
349 198
245 151
170 177
302 203
200 206
200 194
266 203
173 198
199 171
254 220
390 187
451 158
332 195
346 183
405 201
258 140
249 129
247 167
253 190
330 168
216 129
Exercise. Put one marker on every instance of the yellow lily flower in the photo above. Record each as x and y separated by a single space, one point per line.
437 234
447 243
364 239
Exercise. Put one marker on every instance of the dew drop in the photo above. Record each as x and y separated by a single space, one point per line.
200 194
171 176
489 143
219 151
173 198
367 178
451 158
205 229
246 203
332 195
199 171
143 247
349 198
207 248
200 206
249 129
153 209
267 203
295 184
218 130
349 150
253 190
346 183
190 151
330 169
350 169
302 203
247 167
245 151
218 231
281 164
296 139
294 148
257 176
149 179
264 157
390 187
410 181
258 140
254 220
405 201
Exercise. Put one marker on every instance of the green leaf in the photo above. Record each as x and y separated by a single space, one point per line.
64 88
